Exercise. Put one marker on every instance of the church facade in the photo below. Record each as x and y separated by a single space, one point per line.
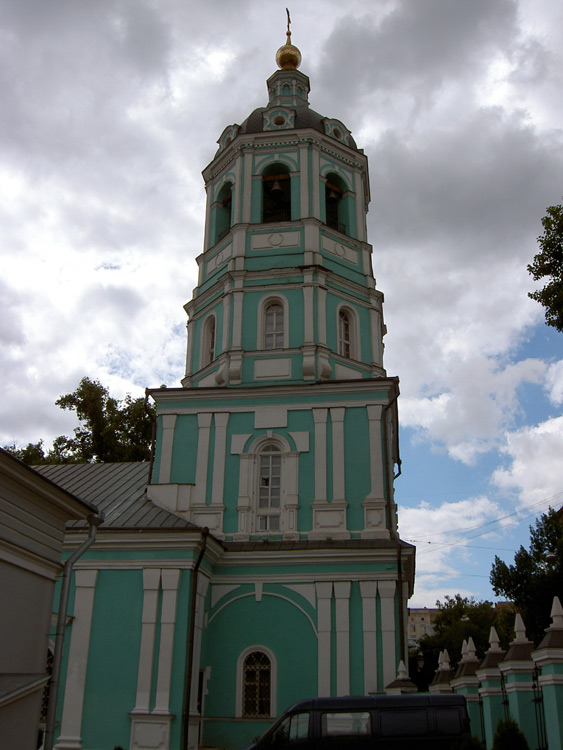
256 561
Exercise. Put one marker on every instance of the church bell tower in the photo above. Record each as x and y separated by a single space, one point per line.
283 439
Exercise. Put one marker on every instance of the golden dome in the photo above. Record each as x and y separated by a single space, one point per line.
288 57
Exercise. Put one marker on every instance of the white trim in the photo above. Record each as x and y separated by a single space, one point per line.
202 586
221 420
324 628
374 412
368 590
71 722
168 424
151 585
387 600
204 429
170 581
354 322
342 621
361 210
247 193
338 454
320 417
204 347
273 679
304 179
265 301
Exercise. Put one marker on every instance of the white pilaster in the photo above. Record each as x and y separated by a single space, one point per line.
375 451
360 212
168 424
226 318
170 583
247 196
202 586
304 170
387 599
342 617
320 415
338 448
71 723
204 425
221 420
324 627
368 590
321 314
316 212
308 308
151 585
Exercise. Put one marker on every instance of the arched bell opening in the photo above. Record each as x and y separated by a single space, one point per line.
276 194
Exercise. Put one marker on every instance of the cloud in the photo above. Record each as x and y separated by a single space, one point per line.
533 469
442 535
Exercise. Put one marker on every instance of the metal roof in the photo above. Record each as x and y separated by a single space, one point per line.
119 490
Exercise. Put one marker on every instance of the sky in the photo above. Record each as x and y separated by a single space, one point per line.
110 111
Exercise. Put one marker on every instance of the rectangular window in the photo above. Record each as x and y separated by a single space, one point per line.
355 724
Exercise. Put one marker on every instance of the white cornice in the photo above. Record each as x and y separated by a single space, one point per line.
293 391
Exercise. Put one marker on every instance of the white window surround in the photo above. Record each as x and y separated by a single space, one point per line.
209 327
265 302
248 505
354 333
273 681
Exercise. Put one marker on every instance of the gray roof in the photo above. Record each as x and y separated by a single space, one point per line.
305 117
119 490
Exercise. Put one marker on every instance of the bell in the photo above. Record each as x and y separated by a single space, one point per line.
276 187
332 196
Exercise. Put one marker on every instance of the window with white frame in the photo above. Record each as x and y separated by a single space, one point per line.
273 326
256 685
268 511
208 348
345 332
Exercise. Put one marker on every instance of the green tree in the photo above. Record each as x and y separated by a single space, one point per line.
109 429
459 619
536 576
509 736
548 264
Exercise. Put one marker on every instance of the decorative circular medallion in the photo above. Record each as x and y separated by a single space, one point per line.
275 239
340 250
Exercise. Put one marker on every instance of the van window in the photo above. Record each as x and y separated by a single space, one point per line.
292 729
404 723
356 724
448 721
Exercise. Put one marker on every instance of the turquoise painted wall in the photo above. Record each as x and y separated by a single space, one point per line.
115 640
184 453
274 623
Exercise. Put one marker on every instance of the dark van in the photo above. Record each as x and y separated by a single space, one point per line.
385 722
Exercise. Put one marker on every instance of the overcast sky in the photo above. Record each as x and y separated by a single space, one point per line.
109 112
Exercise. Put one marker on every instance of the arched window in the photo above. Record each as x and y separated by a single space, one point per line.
273 326
208 345
344 333
336 204
268 511
276 194
222 211
256 685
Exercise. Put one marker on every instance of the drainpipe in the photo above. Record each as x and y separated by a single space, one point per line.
393 402
94 520
190 644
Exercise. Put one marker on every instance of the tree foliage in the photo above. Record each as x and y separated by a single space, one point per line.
459 619
509 736
548 264
109 429
532 581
